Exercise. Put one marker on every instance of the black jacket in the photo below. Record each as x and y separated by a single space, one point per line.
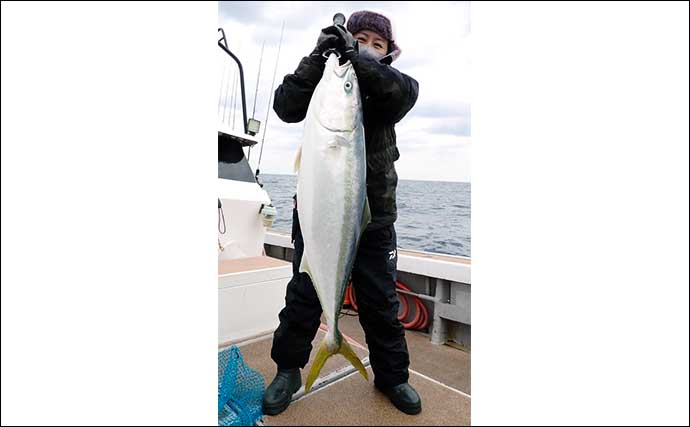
387 96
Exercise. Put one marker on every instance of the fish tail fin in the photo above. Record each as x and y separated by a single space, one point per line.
350 355
323 354
298 159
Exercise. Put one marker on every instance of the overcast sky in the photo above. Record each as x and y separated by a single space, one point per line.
433 139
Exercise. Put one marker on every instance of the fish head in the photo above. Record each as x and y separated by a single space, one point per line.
339 104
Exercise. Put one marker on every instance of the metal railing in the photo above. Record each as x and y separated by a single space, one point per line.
223 44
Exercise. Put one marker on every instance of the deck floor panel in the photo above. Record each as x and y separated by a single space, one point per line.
353 401
441 362
257 355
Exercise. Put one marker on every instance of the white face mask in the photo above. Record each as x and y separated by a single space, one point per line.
369 52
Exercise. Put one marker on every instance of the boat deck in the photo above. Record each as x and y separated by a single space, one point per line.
249 264
441 375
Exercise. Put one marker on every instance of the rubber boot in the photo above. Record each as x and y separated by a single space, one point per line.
279 393
405 398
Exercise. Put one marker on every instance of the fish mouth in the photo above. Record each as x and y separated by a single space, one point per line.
341 70
337 68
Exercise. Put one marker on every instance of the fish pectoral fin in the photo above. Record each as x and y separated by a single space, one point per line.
323 354
298 159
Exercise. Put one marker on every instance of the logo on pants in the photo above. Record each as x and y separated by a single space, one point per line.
392 254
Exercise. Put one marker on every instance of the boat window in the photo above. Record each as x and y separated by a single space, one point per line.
232 164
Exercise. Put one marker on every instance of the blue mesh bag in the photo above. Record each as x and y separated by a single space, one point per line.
240 390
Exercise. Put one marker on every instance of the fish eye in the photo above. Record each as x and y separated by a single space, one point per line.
348 86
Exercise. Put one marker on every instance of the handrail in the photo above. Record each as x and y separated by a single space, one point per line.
223 44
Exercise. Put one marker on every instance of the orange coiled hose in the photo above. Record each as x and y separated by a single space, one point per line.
421 314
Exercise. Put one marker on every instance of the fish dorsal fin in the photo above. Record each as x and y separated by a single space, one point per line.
298 159
366 215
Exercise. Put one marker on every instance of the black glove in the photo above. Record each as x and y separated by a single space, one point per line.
337 38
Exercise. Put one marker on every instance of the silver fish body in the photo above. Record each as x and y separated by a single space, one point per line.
331 197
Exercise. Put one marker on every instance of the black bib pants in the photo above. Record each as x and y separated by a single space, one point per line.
373 278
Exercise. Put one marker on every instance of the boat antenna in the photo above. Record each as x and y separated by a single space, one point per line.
222 82
233 102
235 86
268 109
256 92
227 72
233 99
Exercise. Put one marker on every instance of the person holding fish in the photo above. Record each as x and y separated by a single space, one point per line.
350 98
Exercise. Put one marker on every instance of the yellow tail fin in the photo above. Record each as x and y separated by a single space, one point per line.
323 354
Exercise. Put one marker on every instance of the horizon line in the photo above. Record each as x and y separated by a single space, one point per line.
401 179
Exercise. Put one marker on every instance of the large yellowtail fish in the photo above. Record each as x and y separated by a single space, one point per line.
332 199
